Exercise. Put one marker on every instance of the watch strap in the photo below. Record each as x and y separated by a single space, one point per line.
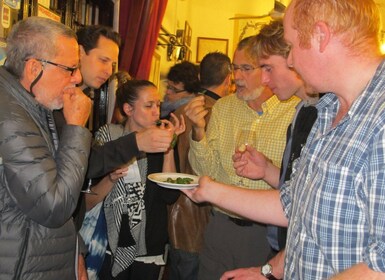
268 275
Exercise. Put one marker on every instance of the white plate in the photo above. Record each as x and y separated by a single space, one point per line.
160 179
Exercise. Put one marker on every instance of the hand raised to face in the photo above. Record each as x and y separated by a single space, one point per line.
76 106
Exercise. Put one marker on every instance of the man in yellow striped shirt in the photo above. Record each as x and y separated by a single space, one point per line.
230 241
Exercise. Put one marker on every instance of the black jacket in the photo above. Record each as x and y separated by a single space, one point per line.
302 126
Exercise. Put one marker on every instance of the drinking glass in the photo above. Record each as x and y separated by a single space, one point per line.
245 138
88 189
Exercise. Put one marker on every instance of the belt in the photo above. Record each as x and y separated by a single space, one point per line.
238 222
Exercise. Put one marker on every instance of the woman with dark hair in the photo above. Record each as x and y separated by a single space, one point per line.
125 227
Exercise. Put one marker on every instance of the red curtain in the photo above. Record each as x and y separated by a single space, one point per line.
139 25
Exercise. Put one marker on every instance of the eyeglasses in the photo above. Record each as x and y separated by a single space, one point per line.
245 68
174 90
69 69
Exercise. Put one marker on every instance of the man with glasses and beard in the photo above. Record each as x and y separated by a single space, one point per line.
230 241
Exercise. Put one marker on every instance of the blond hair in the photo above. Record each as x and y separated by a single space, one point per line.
269 41
357 22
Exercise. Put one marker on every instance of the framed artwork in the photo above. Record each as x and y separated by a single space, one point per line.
187 34
247 27
155 69
44 12
206 45
44 3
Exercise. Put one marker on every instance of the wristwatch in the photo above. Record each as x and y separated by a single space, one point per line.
266 270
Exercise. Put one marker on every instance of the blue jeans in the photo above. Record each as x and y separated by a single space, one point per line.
183 265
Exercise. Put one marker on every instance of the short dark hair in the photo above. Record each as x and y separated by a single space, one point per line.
89 35
214 69
186 73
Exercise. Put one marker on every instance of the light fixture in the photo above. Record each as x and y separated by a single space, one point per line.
174 46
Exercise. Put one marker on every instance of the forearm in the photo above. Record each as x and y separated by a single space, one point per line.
197 133
258 205
272 175
169 161
112 155
101 189
358 272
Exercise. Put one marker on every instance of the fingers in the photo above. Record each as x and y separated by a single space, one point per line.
183 123
166 124
195 102
121 170
196 111
154 140
76 106
178 125
237 155
250 149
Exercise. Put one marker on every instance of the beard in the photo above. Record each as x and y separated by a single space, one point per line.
250 95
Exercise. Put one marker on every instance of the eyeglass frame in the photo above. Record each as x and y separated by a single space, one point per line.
244 68
64 67
174 89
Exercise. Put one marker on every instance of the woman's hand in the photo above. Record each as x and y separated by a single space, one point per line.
176 125
179 125
118 173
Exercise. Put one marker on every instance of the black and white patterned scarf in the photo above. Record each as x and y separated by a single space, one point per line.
125 210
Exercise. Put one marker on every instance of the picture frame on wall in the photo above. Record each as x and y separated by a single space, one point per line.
187 34
47 13
207 45
186 41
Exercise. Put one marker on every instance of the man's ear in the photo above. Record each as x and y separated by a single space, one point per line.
322 35
31 70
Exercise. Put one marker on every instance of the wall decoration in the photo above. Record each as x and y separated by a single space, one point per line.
155 70
247 27
187 35
47 13
14 4
206 45
45 3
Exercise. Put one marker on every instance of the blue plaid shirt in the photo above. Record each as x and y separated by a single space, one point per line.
335 201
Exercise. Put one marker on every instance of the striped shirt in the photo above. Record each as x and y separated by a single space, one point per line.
335 201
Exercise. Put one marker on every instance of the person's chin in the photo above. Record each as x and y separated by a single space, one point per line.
242 95
96 85
56 106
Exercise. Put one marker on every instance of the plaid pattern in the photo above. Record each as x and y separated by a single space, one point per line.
213 155
336 199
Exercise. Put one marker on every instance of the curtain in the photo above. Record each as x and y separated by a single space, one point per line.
139 25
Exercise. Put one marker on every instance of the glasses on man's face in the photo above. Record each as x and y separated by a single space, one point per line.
244 68
174 89
72 70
